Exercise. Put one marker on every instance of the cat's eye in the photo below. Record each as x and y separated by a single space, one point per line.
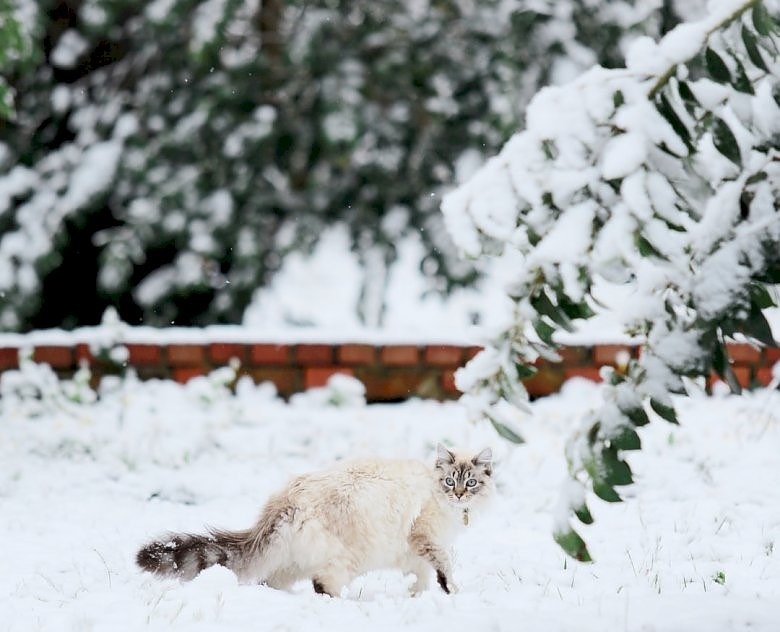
449 481
471 482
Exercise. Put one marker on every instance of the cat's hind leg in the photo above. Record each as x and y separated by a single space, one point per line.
283 579
331 581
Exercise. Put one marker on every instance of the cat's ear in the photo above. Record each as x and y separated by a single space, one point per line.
485 457
443 456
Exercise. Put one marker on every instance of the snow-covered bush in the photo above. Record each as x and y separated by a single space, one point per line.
340 391
171 153
663 176
35 390
108 344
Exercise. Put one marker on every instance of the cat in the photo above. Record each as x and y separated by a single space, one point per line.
332 526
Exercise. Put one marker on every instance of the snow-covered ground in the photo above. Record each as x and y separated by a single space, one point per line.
82 486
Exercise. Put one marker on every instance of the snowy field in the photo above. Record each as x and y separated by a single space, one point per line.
83 486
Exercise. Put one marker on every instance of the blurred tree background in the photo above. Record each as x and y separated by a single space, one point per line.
163 157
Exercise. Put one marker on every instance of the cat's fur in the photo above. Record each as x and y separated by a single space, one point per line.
334 525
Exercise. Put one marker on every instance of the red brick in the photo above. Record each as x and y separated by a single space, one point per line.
261 354
574 356
772 354
743 353
472 351
398 355
742 373
607 354
186 355
223 353
287 380
55 356
764 375
314 354
9 358
83 352
153 372
140 355
443 355
397 384
588 372
448 382
356 354
319 375
184 374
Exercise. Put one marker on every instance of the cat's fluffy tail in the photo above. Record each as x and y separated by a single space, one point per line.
184 555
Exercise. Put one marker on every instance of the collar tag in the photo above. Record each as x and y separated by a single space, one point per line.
466 517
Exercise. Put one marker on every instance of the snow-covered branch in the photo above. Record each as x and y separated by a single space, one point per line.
660 177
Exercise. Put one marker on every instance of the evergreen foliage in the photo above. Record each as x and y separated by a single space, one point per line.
663 177
169 153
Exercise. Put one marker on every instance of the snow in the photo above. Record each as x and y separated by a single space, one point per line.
69 48
83 486
93 175
623 155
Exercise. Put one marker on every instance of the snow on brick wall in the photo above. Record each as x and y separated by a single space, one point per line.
388 371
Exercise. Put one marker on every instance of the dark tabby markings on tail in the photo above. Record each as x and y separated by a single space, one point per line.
182 554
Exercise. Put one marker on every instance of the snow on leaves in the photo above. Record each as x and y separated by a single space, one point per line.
664 176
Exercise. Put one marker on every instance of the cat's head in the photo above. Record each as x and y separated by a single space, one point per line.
464 478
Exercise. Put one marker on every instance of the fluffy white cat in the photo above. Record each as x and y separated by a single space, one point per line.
334 525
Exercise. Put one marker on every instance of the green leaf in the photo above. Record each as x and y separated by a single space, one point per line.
752 49
524 371
617 471
689 100
741 81
725 141
626 439
762 21
542 304
717 68
637 415
575 310
606 492
646 249
549 149
573 545
583 514
686 93
506 432
719 359
759 176
760 296
593 435
545 331
757 327
668 112
664 411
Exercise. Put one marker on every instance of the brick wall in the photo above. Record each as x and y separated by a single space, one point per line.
389 372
